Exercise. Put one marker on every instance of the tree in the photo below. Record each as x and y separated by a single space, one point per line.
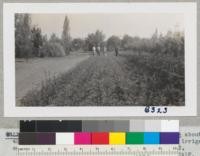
18 36
127 42
94 39
37 40
23 44
155 35
44 39
77 44
112 42
66 39
54 38
99 37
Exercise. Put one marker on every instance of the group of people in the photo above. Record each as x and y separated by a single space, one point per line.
98 51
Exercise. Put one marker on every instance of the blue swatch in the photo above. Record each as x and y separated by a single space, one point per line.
151 138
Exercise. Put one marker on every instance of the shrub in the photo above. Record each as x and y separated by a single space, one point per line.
52 49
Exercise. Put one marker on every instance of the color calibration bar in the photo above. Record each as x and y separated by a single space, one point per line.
100 126
97 138
120 132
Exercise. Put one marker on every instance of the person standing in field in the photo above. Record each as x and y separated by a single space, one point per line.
93 50
116 51
105 51
98 50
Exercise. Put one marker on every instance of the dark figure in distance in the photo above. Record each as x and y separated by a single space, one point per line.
116 51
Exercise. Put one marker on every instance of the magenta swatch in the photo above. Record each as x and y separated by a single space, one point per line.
81 138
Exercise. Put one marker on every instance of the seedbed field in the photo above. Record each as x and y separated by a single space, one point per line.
124 80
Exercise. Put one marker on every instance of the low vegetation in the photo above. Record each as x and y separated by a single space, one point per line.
127 80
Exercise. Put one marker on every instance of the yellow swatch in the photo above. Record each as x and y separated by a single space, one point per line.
117 138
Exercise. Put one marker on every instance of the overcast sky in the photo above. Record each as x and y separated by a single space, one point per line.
134 24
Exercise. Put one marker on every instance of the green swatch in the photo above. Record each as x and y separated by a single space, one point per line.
134 138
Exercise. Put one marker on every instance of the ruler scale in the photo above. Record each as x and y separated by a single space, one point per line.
101 150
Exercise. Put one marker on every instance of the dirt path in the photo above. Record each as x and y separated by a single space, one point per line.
30 74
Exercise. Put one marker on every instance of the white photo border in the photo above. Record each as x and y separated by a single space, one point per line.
189 9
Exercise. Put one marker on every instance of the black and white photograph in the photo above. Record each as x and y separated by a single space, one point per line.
75 56
99 59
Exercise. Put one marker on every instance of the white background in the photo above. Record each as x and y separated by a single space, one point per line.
189 11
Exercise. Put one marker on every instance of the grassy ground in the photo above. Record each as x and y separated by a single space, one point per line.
126 80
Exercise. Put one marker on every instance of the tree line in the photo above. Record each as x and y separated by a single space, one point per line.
30 42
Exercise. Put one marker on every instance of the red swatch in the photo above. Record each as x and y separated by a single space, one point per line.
100 138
